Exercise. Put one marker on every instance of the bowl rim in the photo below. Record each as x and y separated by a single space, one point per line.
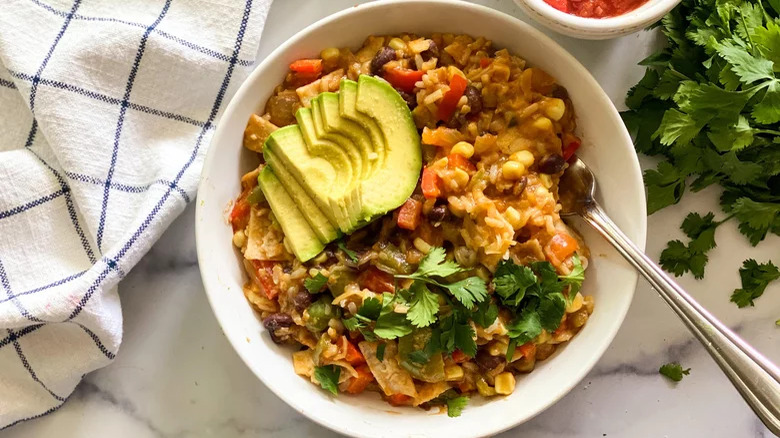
647 12
237 341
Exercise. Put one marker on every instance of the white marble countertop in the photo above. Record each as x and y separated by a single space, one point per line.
176 375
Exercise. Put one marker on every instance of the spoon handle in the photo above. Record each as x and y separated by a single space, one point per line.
755 377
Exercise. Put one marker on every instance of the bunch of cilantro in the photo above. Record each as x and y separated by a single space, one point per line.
709 104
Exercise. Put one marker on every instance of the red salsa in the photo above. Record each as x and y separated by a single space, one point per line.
595 8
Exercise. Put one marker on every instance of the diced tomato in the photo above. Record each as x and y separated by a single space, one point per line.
264 270
307 66
459 356
399 399
528 349
239 215
484 62
409 214
561 5
450 100
461 162
376 281
560 247
431 184
403 78
354 356
570 145
358 384
441 136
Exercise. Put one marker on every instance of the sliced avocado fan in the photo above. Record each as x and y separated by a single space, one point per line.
354 156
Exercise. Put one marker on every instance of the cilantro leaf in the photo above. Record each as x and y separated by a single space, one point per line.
756 218
575 278
457 333
434 264
370 308
749 68
678 259
665 186
423 307
526 326
328 377
485 314
674 371
351 254
469 291
755 278
353 324
548 280
511 281
551 310
389 324
455 405
380 352
315 284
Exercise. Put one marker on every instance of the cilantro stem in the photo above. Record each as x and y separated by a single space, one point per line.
679 75
766 131
423 279
747 32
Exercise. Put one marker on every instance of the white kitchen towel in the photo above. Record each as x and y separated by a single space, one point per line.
106 110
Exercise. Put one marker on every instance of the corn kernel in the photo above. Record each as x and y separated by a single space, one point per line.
329 54
461 177
512 170
576 304
497 348
239 239
554 108
484 389
526 158
453 373
513 217
505 383
463 148
397 44
546 180
543 124
422 245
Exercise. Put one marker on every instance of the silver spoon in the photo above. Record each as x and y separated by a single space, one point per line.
755 377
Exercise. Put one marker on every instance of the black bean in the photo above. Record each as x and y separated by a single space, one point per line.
382 57
519 185
409 98
488 362
551 164
456 121
302 300
438 213
276 321
475 99
431 52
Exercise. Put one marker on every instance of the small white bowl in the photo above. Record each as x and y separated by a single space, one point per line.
597 28
607 149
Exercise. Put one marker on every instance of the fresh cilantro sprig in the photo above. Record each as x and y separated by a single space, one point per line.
755 278
455 405
469 291
328 378
709 105
315 284
674 371
351 254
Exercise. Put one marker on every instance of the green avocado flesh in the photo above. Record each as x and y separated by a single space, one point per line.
300 236
352 157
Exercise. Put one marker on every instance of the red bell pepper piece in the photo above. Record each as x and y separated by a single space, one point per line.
403 78
459 356
307 66
570 145
459 161
450 100
376 281
484 62
562 246
358 384
239 215
409 214
431 184
399 399
528 349
264 270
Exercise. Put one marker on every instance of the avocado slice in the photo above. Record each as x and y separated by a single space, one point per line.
334 123
299 235
323 228
318 146
324 176
348 110
396 177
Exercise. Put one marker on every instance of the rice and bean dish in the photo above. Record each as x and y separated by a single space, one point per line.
472 279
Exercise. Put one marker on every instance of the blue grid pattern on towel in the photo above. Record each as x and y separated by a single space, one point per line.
113 262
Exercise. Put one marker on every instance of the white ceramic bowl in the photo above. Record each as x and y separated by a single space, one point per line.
597 28
607 148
